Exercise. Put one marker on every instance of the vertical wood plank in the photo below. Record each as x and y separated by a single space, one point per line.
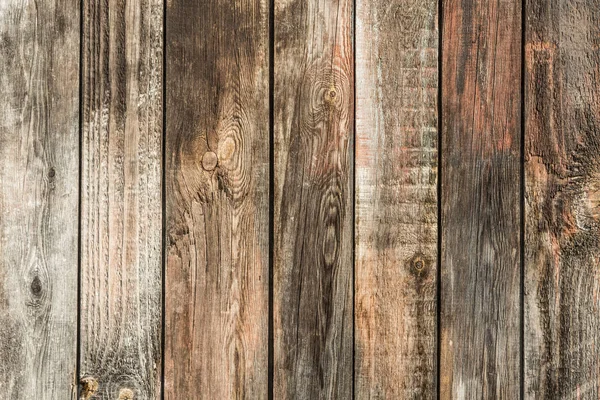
39 197
396 198
313 199
121 218
562 164
217 181
480 297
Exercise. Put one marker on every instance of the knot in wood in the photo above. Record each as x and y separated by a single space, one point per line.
126 394
36 286
89 386
418 265
209 161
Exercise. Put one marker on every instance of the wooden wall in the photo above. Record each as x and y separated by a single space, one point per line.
299 199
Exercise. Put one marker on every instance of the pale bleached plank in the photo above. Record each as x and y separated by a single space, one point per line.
217 188
39 198
396 198
121 219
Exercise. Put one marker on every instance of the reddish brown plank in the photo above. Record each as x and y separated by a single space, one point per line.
562 164
217 188
480 293
396 198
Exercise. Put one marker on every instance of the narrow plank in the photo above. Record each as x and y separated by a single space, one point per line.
480 293
562 164
39 198
217 182
313 212
396 237
121 219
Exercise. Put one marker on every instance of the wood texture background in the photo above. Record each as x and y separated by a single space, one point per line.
562 164
313 205
396 198
121 208
480 229
39 198
217 181
296 199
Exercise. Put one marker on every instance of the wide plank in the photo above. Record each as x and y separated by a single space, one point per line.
562 164
39 198
121 207
480 200
396 199
313 199
217 198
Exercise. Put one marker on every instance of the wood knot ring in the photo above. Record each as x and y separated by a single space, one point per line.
209 161
419 264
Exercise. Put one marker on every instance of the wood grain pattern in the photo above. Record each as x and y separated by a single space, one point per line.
480 297
313 216
39 85
562 164
121 218
396 199
217 181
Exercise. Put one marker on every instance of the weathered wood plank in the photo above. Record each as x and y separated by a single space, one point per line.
396 198
480 297
217 181
121 218
562 164
39 198
313 216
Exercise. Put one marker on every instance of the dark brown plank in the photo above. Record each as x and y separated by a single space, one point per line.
39 198
562 164
313 131
217 182
396 198
121 218
480 306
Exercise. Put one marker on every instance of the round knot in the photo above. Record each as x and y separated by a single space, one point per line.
209 161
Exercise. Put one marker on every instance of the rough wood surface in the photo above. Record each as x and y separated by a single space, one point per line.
217 182
313 133
39 86
562 164
480 294
396 199
121 215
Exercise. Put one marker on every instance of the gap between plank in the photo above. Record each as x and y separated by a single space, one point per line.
522 207
270 339
439 205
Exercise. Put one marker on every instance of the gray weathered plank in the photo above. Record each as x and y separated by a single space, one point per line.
480 294
39 197
121 218
562 164
313 216
396 198
217 182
